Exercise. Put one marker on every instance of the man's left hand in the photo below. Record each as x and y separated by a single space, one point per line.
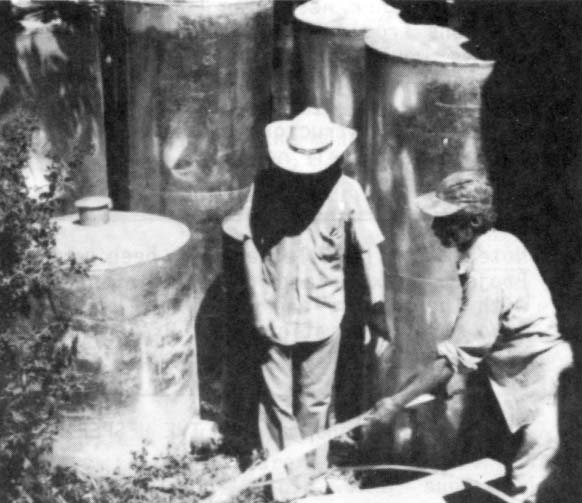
376 320
381 347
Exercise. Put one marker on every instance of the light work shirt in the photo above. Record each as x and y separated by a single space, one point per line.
507 320
303 275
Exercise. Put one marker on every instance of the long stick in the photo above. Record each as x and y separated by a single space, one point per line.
231 489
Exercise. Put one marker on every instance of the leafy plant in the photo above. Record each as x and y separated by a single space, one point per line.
35 372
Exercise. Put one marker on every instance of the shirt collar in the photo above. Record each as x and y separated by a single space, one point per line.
463 263
465 257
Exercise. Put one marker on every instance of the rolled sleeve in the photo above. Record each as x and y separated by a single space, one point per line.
238 224
365 230
478 323
460 361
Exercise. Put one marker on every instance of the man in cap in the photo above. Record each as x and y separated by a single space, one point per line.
507 324
295 225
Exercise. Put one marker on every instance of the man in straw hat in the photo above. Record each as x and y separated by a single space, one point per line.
507 324
295 225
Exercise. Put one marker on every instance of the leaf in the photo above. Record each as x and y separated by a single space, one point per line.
17 417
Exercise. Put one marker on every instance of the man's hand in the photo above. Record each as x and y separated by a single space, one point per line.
382 346
376 320
267 324
265 321
385 410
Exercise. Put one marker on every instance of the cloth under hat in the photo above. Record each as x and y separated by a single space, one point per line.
457 191
309 143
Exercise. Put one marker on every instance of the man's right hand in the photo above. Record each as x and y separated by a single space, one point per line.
267 324
264 321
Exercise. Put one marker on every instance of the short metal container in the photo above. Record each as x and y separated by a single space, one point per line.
132 319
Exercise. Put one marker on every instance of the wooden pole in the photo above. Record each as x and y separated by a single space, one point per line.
231 489
426 489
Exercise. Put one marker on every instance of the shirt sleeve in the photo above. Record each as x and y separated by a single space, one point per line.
478 322
238 224
364 228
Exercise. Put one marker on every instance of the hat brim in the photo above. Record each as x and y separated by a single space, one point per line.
285 157
435 207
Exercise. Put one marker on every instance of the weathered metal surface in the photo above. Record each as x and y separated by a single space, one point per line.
50 67
330 37
423 122
330 42
286 76
134 323
200 98
241 366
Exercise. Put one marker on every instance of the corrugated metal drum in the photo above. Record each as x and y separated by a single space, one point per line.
134 321
200 98
50 66
423 122
330 35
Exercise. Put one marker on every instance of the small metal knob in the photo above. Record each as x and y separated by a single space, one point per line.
93 210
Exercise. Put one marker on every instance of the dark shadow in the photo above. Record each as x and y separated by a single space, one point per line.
531 138
422 11
241 355
114 50
483 432
210 344
564 484
531 131
287 95
349 381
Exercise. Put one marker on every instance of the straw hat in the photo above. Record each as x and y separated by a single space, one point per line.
309 143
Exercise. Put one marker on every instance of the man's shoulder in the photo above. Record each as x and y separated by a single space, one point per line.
349 187
499 247
348 181
496 239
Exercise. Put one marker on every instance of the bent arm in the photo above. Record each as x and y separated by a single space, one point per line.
374 273
437 373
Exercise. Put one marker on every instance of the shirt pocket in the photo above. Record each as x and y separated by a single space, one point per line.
330 242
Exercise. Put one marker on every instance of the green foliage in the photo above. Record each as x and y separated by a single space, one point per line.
35 372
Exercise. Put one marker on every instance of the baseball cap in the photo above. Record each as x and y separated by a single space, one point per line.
457 191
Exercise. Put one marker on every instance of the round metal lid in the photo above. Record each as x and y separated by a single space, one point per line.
93 203
347 14
424 43
201 3
129 238
170 16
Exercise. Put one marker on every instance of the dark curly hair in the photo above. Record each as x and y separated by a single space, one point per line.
480 218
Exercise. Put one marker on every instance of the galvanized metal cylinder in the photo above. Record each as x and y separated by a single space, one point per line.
133 321
200 98
330 37
50 68
423 122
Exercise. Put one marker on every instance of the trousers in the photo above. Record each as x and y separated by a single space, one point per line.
534 461
294 403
